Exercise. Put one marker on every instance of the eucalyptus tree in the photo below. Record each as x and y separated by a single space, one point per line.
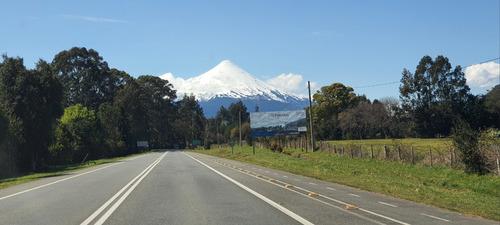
435 95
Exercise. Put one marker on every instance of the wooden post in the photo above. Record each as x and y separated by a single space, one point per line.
361 151
335 149
371 148
386 152
399 153
430 153
451 156
352 153
412 156
455 154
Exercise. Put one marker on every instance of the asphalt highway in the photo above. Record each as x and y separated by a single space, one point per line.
174 187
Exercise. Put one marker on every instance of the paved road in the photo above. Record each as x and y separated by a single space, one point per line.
188 188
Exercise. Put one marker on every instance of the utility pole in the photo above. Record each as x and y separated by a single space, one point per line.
310 116
217 125
240 127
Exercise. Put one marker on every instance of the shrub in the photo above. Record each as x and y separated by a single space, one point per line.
466 141
276 148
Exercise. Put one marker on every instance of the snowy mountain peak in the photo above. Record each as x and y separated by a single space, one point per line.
227 75
229 81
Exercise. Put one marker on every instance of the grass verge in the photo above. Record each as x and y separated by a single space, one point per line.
6 182
442 187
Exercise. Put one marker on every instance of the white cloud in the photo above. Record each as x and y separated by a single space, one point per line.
287 82
176 82
314 87
94 19
483 76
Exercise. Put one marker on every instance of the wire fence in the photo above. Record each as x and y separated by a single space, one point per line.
442 156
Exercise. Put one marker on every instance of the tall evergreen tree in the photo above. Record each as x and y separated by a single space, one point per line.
86 77
435 95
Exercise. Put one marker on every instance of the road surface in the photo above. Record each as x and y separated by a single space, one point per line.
174 187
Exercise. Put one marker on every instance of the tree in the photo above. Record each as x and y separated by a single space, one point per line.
157 97
32 100
234 111
77 134
135 118
331 100
435 95
112 123
492 107
365 121
398 119
191 121
86 77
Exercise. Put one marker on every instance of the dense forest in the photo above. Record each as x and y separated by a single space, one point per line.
76 107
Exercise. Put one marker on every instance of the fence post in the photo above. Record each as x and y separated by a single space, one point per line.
361 151
371 148
430 153
342 150
352 153
335 149
399 153
412 156
455 154
386 152
451 157
498 166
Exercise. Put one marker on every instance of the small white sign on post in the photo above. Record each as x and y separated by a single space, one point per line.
142 144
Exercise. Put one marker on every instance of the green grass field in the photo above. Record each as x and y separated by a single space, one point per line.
439 186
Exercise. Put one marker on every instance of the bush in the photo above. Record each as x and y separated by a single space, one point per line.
466 141
489 148
276 148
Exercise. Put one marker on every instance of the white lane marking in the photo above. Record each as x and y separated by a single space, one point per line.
133 158
357 196
435 217
296 179
58 181
387 204
267 171
285 176
329 188
344 203
338 201
326 203
263 198
312 183
275 174
105 205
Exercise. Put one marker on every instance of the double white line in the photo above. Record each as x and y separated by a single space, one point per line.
128 188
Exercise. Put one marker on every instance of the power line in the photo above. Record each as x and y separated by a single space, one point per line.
374 85
394 82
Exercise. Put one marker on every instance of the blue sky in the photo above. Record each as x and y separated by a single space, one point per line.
357 43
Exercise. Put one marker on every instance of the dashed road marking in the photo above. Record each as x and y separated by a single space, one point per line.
434 217
312 183
357 196
329 188
387 204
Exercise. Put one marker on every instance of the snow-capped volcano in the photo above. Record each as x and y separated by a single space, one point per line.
229 80
227 83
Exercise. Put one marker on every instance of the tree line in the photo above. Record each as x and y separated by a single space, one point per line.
433 101
76 106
